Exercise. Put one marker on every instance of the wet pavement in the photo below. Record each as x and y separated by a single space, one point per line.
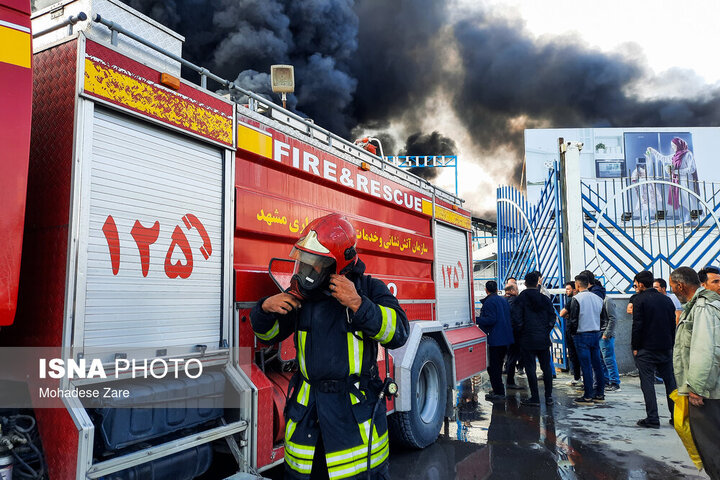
506 441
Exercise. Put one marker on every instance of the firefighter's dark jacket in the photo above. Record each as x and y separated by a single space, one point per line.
337 384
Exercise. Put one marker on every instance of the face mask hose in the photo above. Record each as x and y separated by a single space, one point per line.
389 389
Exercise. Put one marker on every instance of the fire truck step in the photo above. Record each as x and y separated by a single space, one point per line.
184 465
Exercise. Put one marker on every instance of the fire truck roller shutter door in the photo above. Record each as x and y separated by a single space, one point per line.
154 257
451 277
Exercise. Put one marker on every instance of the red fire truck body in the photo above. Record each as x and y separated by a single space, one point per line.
286 177
15 98
154 207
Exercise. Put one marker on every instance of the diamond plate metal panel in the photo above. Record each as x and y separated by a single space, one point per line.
52 136
143 26
418 311
42 278
122 15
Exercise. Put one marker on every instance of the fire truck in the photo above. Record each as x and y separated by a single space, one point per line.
153 208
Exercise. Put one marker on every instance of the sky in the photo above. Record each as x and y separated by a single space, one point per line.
662 36
613 24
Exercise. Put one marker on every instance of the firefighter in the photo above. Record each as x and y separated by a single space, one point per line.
338 316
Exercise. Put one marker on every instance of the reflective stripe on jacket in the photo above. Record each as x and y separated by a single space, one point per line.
335 345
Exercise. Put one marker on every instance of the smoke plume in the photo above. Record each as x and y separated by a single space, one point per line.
375 65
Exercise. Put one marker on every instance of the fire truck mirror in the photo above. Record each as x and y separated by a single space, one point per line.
281 271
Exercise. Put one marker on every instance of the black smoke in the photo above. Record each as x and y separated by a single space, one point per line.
432 144
399 64
369 64
240 39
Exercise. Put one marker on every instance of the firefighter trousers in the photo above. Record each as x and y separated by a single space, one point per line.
334 426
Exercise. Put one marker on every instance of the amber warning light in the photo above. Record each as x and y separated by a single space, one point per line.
170 81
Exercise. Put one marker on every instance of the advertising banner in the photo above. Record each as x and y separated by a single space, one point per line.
616 158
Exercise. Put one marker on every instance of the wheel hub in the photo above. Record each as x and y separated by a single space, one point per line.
428 392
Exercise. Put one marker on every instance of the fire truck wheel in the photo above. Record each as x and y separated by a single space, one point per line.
420 427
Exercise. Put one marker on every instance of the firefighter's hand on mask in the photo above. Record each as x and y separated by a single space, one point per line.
281 303
344 291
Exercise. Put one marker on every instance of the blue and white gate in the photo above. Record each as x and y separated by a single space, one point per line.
631 226
530 238
614 227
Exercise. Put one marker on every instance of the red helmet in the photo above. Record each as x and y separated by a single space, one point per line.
332 238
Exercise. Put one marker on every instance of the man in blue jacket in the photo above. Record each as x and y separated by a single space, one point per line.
494 320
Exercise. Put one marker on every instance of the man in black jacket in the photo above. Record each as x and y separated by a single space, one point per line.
653 337
513 361
533 318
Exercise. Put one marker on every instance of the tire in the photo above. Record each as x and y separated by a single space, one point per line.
421 426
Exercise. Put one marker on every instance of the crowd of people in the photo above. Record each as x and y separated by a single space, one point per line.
675 341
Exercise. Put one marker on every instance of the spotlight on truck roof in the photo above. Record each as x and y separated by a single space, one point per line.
282 80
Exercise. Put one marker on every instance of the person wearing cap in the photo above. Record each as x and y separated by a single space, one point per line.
339 316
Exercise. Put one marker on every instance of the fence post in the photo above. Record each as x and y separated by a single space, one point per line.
573 220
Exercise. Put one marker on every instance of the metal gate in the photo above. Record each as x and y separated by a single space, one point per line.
651 224
530 238
626 225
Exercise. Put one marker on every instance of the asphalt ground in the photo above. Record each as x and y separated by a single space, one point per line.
505 440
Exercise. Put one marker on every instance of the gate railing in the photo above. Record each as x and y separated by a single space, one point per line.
648 224
530 238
